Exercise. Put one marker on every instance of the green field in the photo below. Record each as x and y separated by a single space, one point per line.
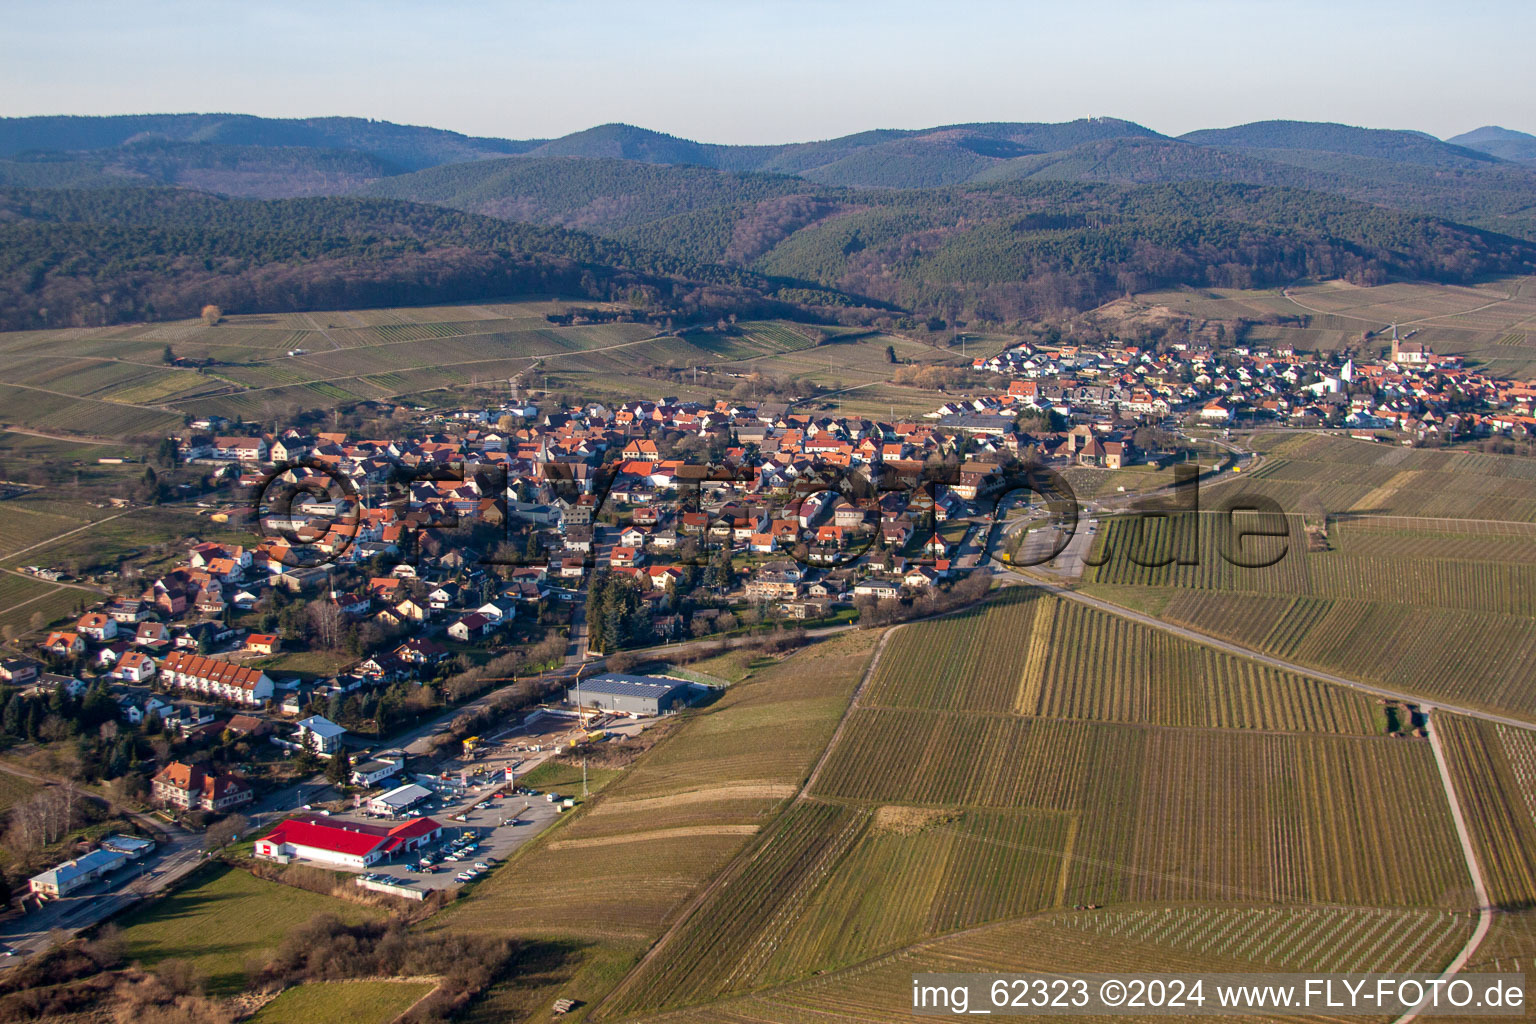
224 921
342 1002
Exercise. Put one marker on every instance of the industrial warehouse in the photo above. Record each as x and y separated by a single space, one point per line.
631 695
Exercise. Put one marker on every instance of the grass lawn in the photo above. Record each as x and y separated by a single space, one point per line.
565 779
225 919
306 662
342 1002
14 790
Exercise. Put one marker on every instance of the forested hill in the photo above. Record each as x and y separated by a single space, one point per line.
1322 137
992 253
1499 142
1486 183
97 256
989 221
1019 250
406 147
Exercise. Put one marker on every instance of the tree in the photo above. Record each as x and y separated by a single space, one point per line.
168 357
328 623
212 314
890 353
221 833
339 770
309 757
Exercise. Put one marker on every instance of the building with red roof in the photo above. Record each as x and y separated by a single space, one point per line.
344 844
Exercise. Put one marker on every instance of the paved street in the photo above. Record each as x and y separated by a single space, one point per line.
28 933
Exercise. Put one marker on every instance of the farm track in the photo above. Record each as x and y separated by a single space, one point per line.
77 398
725 874
1479 886
853 702
332 379
1019 579
1401 323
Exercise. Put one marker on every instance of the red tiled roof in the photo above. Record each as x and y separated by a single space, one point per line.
217 671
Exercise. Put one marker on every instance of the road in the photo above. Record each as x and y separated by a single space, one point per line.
1469 853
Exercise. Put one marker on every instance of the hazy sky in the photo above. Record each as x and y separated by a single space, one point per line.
749 71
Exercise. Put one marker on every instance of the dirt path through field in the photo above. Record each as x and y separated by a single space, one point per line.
1479 887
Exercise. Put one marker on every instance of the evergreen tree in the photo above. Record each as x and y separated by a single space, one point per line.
339 770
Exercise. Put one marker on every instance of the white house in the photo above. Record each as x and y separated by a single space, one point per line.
327 733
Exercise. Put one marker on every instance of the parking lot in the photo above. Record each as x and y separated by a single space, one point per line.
493 833
480 826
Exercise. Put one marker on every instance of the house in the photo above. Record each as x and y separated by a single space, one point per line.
240 449
19 671
64 645
49 682
190 787
74 874
442 597
471 627
97 626
263 643
1218 411
502 609
344 844
921 576
327 733
413 611
128 612
643 450
419 651
216 678
879 589
248 725
371 773
187 718
151 634
134 667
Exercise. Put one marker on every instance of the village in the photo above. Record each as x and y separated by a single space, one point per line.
499 552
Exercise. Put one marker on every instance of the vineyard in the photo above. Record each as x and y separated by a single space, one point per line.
1343 475
1178 814
23 601
113 381
1135 939
23 523
1492 771
800 902
1467 657
1190 549
1036 655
